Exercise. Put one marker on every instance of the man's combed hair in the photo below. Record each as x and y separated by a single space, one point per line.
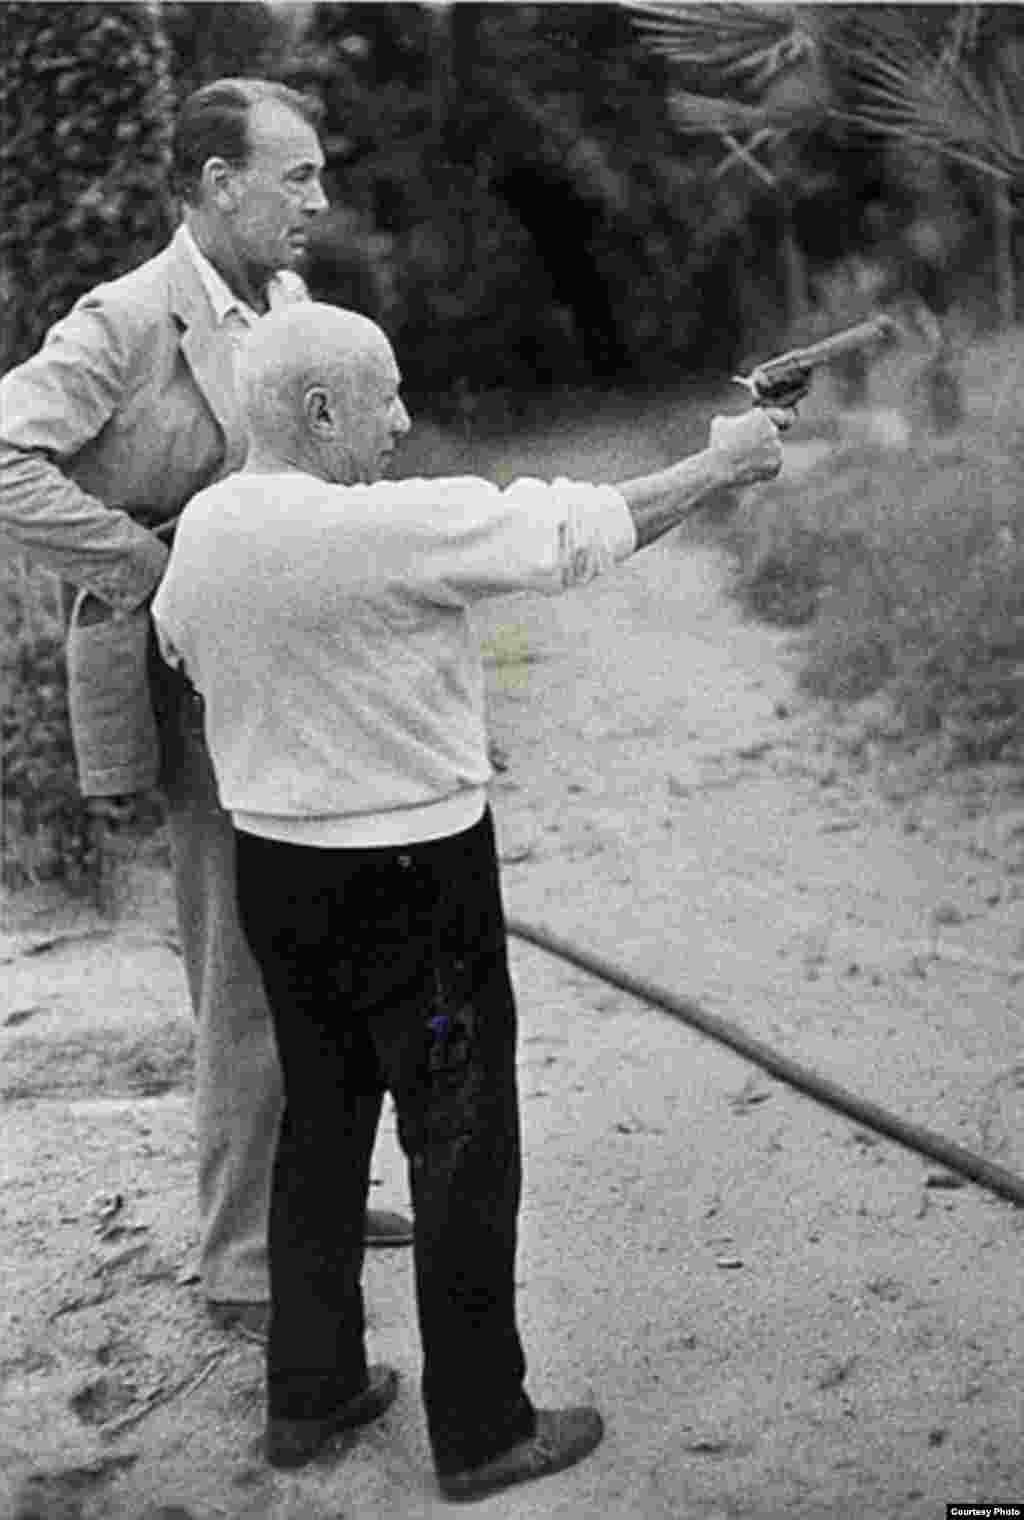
214 123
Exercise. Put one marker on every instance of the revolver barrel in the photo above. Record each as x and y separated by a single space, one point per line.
790 372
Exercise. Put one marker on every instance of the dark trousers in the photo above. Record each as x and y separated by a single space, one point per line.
386 970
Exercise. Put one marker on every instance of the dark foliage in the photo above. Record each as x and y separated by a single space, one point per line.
85 101
513 181
210 41
47 831
85 112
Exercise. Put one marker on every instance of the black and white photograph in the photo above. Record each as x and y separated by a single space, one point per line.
511 760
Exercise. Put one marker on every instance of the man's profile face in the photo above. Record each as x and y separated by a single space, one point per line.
278 191
379 417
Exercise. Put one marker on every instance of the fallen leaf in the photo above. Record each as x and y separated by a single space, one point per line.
115 1230
83 1301
121 1258
517 854
101 1398
836 1373
944 1180
103 1206
55 941
22 1015
888 1289
749 1096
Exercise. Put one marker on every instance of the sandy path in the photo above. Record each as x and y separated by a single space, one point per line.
776 1312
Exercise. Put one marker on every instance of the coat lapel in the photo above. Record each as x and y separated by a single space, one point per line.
207 352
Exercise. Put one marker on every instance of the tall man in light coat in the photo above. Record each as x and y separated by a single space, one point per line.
106 433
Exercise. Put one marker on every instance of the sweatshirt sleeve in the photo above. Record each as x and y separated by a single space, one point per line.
530 536
595 532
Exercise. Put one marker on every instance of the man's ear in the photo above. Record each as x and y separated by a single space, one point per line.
219 185
319 412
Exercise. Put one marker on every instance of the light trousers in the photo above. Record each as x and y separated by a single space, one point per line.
239 1090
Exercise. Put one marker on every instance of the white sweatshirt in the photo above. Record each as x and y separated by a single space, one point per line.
326 627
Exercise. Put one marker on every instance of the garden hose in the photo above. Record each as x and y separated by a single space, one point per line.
987 1174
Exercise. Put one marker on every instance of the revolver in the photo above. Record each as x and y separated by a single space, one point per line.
784 381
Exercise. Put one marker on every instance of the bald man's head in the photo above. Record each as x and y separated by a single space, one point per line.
319 387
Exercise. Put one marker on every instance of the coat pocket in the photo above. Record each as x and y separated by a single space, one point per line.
113 729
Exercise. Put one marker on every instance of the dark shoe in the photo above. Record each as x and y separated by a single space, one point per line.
248 1319
293 1443
562 1437
385 1228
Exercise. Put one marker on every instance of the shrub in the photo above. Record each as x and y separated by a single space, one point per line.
85 112
906 569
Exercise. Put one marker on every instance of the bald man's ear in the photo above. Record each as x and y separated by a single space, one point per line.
319 412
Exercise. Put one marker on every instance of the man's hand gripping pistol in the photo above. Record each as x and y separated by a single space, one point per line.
783 382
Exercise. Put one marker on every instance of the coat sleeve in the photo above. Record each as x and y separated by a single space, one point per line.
51 407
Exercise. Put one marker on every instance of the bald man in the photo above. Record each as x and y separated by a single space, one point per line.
322 612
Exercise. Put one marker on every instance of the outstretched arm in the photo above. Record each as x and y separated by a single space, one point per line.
741 451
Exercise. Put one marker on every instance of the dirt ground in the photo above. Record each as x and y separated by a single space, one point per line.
780 1313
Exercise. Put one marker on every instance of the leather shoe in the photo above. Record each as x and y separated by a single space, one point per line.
293 1443
386 1228
562 1437
248 1319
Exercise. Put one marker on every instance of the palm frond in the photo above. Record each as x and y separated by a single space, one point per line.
728 46
935 101
696 115
1008 98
